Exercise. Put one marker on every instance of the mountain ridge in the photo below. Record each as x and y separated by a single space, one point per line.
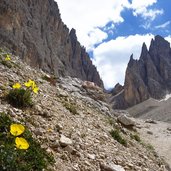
35 31
147 77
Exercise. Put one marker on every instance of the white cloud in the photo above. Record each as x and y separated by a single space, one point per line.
96 36
152 14
111 57
141 8
146 25
87 16
168 38
164 25
137 4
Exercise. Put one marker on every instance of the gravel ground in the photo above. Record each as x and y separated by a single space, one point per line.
153 109
159 136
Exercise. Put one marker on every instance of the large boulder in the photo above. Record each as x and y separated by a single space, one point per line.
125 120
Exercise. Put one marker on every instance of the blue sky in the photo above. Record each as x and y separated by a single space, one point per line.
112 30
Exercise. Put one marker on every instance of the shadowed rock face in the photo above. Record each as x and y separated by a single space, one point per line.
34 31
150 76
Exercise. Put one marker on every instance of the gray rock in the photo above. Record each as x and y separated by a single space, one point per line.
125 120
39 131
64 141
169 129
38 108
91 156
45 113
55 145
150 121
111 167
58 127
149 132
70 149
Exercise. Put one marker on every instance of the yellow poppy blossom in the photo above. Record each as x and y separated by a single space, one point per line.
16 129
16 86
36 89
7 58
32 84
29 83
21 143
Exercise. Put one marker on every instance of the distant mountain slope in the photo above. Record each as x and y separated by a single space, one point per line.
152 109
34 31
150 76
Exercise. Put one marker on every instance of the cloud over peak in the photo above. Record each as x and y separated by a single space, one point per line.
111 57
114 29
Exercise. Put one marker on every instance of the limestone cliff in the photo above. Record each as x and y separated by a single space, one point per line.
150 76
34 31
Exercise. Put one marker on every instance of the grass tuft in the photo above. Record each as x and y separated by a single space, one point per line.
117 136
20 98
135 137
71 107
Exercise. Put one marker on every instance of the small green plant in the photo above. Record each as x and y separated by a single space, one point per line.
116 135
19 150
50 79
111 121
1 50
150 147
135 137
5 59
71 107
6 63
22 97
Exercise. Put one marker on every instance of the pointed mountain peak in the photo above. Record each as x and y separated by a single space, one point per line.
73 33
159 38
144 51
131 61
131 57
159 43
144 46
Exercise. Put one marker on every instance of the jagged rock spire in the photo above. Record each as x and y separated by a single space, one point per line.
150 76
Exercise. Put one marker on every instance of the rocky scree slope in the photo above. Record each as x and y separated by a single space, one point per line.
73 126
34 31
158 134
150 76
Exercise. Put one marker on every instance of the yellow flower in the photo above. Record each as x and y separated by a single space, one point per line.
29 83
21 143
36 89
16 129
33 85
7 58
16 86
